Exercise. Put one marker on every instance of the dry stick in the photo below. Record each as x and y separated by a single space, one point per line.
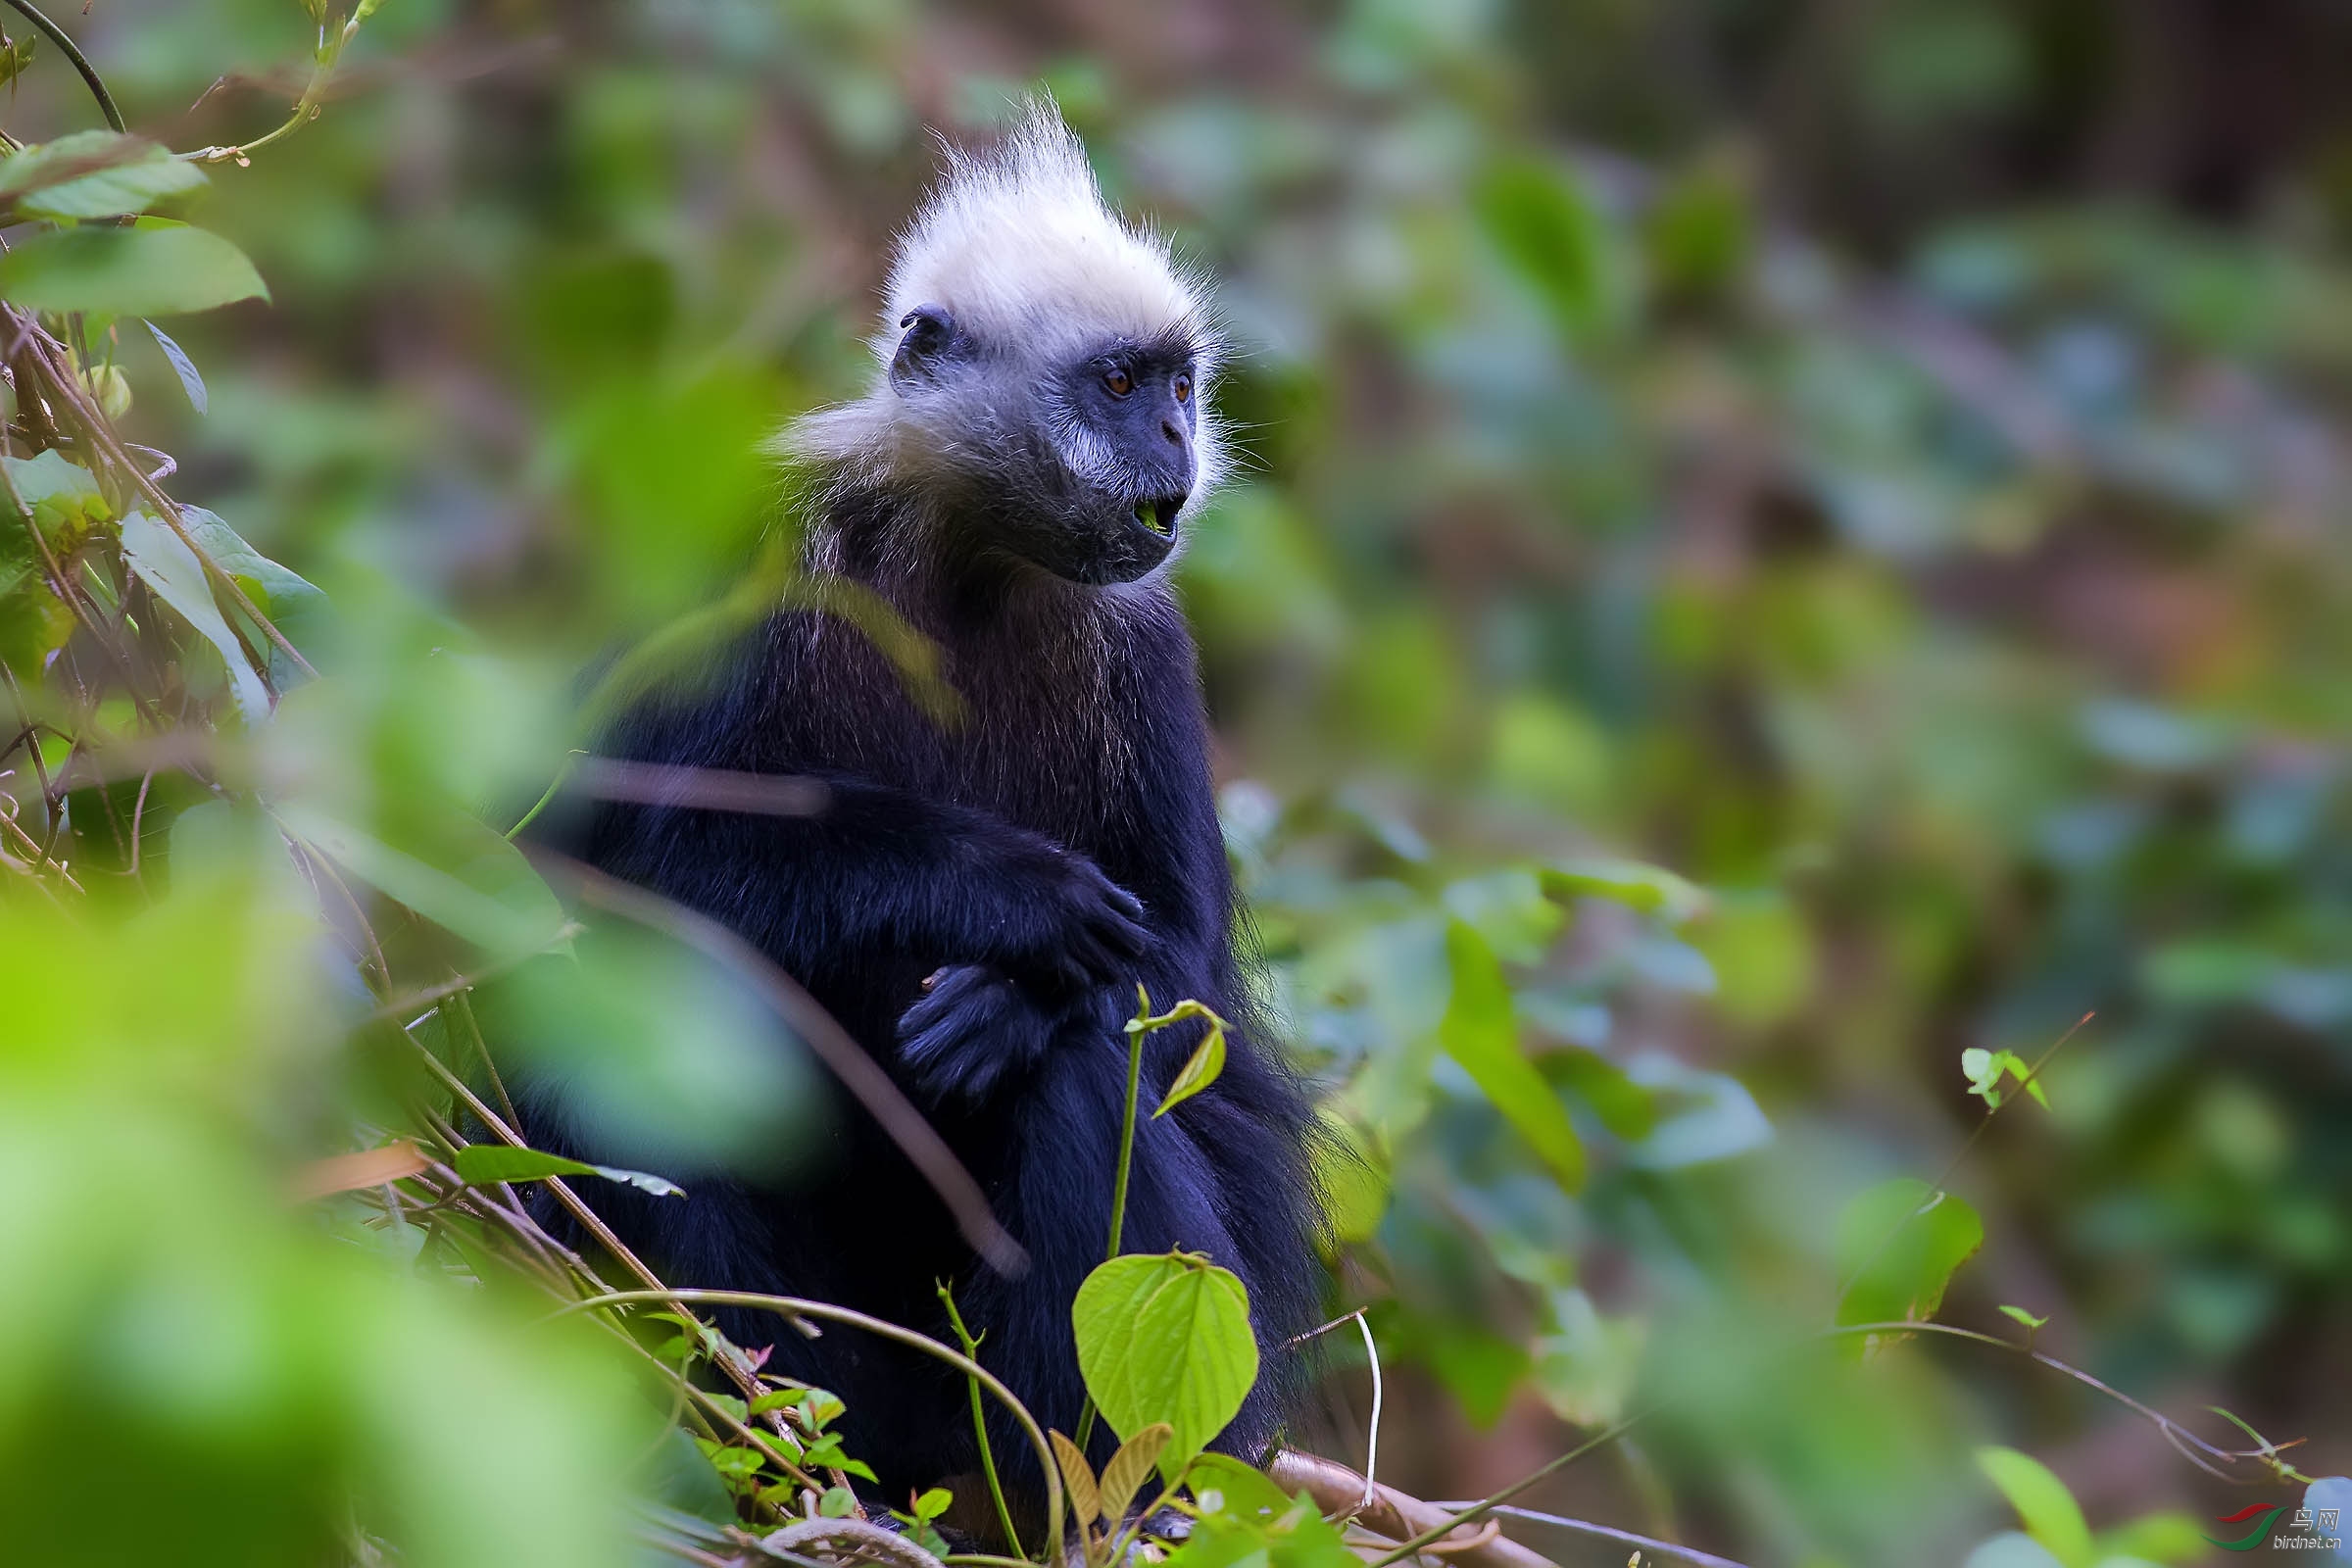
857 1072
793 1307
1936 1189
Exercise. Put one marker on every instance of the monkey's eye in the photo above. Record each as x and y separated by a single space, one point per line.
1118 380
1182 386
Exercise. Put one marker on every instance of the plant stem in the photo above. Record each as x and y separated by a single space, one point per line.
1136 1033
1118 1189
987 1456
65 46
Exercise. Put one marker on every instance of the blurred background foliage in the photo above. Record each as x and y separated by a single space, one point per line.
1884 459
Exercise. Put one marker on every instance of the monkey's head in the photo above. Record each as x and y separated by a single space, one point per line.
1043 374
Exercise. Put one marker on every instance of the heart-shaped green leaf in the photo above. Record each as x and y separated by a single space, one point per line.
1166 1338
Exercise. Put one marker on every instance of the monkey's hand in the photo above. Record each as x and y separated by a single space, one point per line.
1083 930
975 1028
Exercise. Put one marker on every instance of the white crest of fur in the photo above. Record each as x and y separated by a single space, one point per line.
1017 246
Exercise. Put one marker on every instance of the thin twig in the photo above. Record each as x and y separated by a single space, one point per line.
1586 1527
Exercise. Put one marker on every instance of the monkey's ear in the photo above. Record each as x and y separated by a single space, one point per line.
932 338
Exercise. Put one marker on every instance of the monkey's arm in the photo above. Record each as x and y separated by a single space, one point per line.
883 869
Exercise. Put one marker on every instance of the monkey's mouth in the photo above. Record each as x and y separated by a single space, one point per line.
1159 513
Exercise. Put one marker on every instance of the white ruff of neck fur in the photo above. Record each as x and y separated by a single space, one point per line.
1017 246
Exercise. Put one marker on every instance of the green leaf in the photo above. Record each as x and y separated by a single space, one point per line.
2166 1537
1199 1071
447 865
483 1165
1650 889
838 1502
1625 1107
1481 1032
1352 1174
94 173
128 271
166 563
65 498
2020 1314
734 1463
1165 1337
294 606
2046 1508
191 380
1985 1070
1221 1483
931 1504
1899 1243
1539 217
826 1453
15 57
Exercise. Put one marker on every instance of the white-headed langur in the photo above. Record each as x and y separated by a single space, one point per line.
985 887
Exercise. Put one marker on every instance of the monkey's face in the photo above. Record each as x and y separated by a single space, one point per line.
1094 454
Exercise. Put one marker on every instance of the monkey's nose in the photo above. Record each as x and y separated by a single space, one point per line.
1172 430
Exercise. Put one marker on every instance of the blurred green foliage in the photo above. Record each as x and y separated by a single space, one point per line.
1863 457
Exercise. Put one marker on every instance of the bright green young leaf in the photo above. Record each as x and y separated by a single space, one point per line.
932 1503
1165 1337
166 563
1200 1071
838 1502
2043 1505
1246 1521
481 1164
1221 1483
1481 1032
1898 1243
94 173
128 271
1986 1070
2020 1314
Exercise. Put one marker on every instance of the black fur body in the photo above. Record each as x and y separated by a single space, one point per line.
1050 848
